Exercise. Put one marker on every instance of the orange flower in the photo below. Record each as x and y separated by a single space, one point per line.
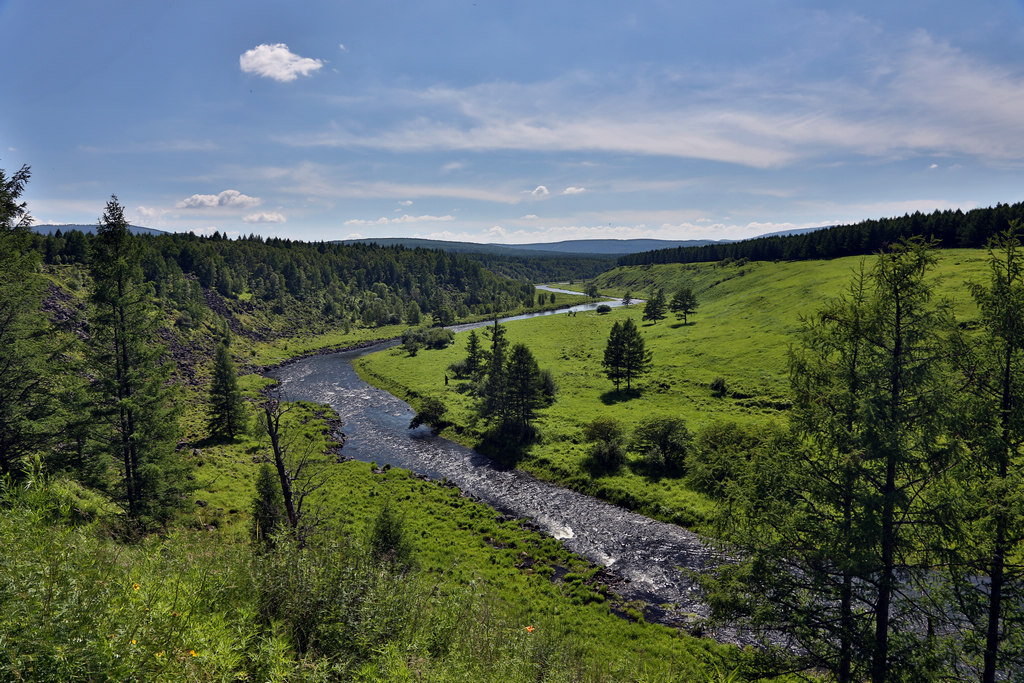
193 653
529 629
135 586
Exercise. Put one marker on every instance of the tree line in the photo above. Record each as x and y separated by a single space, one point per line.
948 229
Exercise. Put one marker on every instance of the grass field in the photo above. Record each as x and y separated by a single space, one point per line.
749 315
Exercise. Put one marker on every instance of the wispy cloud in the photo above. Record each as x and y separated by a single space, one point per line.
905 95
264 217
229 199
398 221
574 190
277 62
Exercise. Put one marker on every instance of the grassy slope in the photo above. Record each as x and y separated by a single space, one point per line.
749 314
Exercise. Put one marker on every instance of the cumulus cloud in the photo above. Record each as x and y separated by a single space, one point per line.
264 217
277 62
231 199
148 213
405 218
574 190
539 191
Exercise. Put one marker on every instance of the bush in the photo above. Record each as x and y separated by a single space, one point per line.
718 387
431 413
607 451
664 442
389 543
429 337
460 369
604 308
727 452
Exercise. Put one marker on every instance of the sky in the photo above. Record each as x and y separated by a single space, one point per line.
511 122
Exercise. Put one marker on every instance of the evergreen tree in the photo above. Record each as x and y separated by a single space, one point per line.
267 508
992 363
227 409
525 390
627 299
654 309
636 359
493 404
134 406
26 376
475 360
837 532
684 303
614 355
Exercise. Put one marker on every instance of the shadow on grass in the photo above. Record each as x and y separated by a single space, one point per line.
610 398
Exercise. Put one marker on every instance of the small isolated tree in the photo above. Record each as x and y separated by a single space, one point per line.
267 508
627 299
684 303
431 413
389 541
590 290
654 309
227 409
525 388
636 359
614 355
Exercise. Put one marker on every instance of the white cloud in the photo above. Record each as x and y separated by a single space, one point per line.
406 218
147 213
264 217
277 62
232 199
453 166
529 217
341 46
539 191
406 202
574 190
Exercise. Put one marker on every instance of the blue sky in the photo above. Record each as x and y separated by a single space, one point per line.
511 121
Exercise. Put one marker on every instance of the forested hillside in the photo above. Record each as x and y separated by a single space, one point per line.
949 229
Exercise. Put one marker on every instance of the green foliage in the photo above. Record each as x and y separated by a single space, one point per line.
426 337
431 413
607 451
28 385
388 540
684 303
654 309
719 388
133 405
625 356
267 512
664 441
227 409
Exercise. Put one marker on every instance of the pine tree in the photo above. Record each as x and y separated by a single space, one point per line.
684 303
636 359
992 363
654 309
493 405
475 361
227 409
267 508
614 361
524 392
26 376
134 405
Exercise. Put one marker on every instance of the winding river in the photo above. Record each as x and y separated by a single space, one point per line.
642 555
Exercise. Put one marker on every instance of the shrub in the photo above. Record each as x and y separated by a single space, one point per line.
604 308
431 413
664 441
718 387
607 451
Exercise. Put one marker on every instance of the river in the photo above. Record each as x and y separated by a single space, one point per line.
645 555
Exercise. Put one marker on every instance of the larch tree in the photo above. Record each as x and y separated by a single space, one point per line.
684 303
134 403
26 378
226 407
654 309
636 359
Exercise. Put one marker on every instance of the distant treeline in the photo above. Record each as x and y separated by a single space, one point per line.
951 229
359 284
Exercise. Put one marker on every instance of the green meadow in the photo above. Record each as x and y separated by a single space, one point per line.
749 315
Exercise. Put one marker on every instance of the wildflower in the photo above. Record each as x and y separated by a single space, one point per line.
529 629
133 641
193 653
136 586
160 654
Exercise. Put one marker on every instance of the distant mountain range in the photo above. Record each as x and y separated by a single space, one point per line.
89 229
608 247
